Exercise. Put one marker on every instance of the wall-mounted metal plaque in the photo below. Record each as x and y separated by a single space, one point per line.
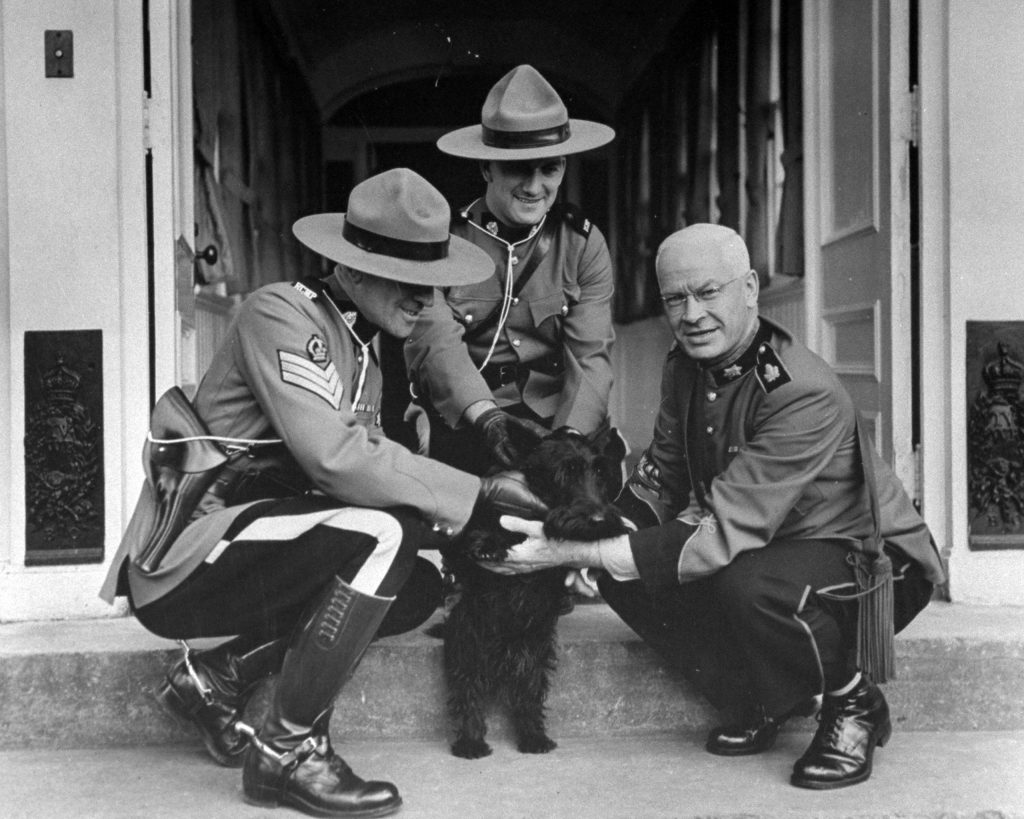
64 500
995 434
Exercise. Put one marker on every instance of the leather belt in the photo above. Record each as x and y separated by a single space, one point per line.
498 375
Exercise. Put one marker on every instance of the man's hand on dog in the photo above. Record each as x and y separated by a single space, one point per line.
540 552
507 494
506 436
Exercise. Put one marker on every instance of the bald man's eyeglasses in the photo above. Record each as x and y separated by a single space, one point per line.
706 295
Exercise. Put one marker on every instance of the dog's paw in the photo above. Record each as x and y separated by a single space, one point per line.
537 744
470 748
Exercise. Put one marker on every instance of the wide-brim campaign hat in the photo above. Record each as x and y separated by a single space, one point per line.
396 227
524 118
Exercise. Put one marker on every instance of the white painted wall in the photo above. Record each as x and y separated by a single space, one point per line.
985 100
72 256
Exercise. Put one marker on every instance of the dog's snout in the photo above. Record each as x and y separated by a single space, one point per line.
583 522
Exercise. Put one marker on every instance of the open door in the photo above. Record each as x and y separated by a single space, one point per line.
857 104
170 194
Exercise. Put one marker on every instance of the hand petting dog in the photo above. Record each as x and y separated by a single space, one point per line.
538 551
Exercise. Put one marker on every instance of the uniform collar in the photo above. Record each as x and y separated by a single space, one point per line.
478 214
360 324
746 361
364 329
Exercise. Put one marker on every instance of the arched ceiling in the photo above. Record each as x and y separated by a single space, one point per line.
592 51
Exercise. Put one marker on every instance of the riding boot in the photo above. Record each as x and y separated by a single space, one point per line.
850 727
209 690
291 761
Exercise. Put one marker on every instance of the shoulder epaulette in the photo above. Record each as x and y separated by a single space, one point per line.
313 288
771 373
571 215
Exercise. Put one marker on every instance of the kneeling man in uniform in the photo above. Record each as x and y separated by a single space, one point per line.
760 507
276 513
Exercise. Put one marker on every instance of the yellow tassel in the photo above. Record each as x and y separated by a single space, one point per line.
876 654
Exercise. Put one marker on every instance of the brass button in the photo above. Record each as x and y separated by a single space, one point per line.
516 342
712 396
710 430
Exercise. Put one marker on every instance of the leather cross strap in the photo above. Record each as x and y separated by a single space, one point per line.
540 250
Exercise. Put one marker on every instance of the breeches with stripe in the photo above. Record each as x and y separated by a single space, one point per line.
279 555
757 631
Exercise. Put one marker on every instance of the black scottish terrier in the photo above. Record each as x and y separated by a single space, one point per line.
500 635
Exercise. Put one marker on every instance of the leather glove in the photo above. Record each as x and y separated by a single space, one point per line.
506 493
508 438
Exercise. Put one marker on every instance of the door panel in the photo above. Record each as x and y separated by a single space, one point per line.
856 137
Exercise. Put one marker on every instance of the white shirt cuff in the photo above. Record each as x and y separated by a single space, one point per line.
617 558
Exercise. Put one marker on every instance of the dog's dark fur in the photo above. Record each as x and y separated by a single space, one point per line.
500 635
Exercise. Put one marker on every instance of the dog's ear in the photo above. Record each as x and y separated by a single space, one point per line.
613 448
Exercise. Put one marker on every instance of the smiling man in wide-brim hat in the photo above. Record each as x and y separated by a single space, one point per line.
524 118
300 530
527 349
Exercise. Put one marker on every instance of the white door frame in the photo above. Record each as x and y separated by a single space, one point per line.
936 379
170 140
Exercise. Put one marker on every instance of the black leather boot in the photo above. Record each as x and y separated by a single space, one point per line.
209 691
754 733
850 727
291 761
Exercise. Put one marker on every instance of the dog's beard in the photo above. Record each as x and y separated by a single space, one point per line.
583 522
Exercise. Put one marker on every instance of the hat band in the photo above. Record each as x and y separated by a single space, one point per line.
526 139
399 248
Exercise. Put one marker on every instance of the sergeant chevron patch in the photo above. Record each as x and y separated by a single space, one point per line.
322 381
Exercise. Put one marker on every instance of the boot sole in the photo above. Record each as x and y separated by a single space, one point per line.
314 810
826 785
711 749
172 703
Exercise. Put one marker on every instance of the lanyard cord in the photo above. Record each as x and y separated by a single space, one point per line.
506 303
235 444
366 353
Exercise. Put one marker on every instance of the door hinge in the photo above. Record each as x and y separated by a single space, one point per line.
147 137
914 103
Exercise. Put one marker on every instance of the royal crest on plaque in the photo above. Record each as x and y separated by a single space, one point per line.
995 440
63 451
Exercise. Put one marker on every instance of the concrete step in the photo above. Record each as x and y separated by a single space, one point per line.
921 774
89 684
